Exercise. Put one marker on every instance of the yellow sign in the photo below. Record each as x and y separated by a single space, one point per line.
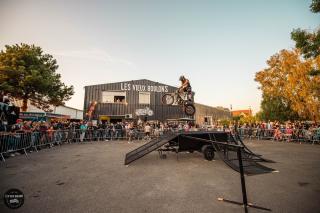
104 118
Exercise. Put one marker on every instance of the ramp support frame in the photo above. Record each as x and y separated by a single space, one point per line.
239 149
244 203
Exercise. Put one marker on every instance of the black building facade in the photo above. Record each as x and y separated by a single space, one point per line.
130 100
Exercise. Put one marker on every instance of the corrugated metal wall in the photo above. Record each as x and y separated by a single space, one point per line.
203 111
161 112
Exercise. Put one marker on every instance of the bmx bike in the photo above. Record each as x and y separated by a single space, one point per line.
176 98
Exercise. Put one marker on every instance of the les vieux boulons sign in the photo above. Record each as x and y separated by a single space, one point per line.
143 88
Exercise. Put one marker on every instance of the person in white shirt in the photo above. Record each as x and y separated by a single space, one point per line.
147 130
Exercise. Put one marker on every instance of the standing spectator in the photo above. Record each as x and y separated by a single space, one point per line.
317 134
288 133
161 129
50 132
118 129
156 131
83 128
127 129
186 127
147 131
113 131
43 132
250 131
277 134
26 126
131 132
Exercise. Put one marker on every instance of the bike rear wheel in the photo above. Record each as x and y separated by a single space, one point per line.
167 99
189 109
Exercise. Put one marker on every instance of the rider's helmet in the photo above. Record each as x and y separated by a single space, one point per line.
182 78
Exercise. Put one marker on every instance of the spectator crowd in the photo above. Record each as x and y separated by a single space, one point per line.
131 130
289 131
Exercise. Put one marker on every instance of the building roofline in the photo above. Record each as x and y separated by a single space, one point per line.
241 110
128 81
218 108
71 107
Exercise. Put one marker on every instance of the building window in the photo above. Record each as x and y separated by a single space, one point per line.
207 120
113 97
144 97
119 99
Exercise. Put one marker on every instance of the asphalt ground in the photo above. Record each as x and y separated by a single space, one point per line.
91 177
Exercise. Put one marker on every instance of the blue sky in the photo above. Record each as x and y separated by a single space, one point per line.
218 45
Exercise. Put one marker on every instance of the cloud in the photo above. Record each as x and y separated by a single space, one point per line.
94 54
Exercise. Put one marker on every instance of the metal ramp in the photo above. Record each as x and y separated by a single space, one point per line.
229 155
149 147
249 153
224 143
226 147
250 165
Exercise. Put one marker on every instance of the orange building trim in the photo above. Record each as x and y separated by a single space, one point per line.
245 112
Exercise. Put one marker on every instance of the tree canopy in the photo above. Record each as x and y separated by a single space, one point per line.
315 6
29 74
287 81
276 108
308 42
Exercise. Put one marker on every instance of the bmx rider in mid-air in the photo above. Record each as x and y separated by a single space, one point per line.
185 87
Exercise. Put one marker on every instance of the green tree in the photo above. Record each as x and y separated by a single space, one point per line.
29 74
308 42
249 119
276 108
315 6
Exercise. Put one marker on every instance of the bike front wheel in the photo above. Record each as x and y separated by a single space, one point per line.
167 99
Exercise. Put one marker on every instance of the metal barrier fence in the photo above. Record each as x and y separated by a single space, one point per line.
14 142
296 135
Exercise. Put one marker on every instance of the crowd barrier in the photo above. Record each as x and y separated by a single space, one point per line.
16 142
298 135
